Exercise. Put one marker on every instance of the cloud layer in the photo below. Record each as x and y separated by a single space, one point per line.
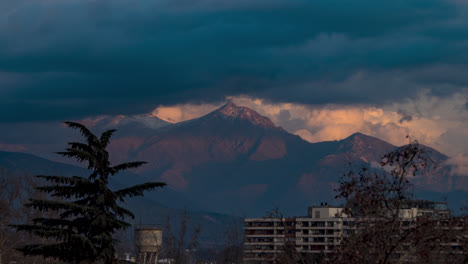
71 59
439 122
183 112
459 164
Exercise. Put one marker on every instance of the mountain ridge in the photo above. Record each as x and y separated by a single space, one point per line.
258 159
234 159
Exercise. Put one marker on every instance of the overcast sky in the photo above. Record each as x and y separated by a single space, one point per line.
75 58
392 67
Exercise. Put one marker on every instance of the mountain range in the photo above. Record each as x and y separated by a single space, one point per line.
233 160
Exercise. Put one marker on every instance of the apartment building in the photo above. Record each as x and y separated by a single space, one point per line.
316 234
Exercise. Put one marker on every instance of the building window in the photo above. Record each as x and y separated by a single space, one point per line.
317 214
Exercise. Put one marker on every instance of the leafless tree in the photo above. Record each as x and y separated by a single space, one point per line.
15 189
232 249
181 246
376 199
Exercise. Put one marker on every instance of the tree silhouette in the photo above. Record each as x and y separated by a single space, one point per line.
87 210
377 200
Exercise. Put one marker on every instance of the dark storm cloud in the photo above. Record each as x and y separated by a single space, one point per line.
68 59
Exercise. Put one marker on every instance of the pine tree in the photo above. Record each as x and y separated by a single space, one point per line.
87 210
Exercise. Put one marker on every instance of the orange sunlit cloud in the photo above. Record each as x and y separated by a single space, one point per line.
183 112
437 122
434 121
459 164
